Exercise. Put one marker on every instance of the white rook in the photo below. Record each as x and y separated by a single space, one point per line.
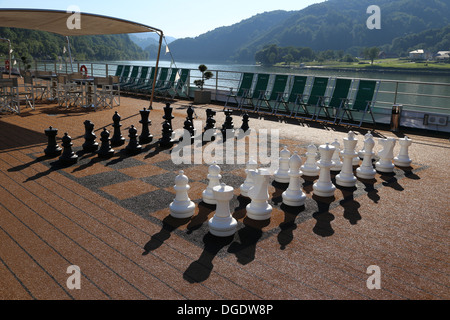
346 178
223 224
403 159
182 207
324 187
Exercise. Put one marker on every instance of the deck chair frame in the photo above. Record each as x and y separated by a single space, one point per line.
315 97
245 86
278 88
258 93
295 95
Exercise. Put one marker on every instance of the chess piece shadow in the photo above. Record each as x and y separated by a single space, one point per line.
391 181
408 172
200 270
156 150
350 206
240 210
277 196
170 224
245 249
54 166
87 165
203 213
29 164
308 184
323 217
372 192
288 226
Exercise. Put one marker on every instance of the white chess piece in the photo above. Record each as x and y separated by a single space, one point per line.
403 159
182 207
310 168
385 164
324 187
346 178
252 165
282 174
294 195
367 171
214 181
367 136
337 163
223 224
259 209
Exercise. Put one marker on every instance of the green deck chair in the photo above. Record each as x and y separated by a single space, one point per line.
132 78
245 86
178 89
125 74
276 95
119 70
162 78
147 83
139 80
165 88
294 97
339 98
258 93
364 101
315 98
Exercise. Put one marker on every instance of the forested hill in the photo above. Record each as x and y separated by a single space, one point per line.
49 46
333 24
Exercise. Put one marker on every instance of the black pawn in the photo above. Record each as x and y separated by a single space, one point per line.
68 157
133 146
189 127
190 114
145 137
210 123
105 151
228 125
117 139
90 145
166 141
168 110
52 150
245 122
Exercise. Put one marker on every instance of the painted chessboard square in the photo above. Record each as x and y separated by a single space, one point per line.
129 189
143 171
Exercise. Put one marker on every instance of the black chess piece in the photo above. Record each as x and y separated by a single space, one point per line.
133 147
228 126
168 110
190 114
52 150
90 145
245 122
145 137
117 139
210 124
166 142
188 128
68 157
105 151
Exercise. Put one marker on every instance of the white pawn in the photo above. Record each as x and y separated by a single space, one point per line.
403 159
252 165
337 163
223 224
346 178
282 174
324 187
182 207
385 164
367 171
294 195
260 209
310 168
214 181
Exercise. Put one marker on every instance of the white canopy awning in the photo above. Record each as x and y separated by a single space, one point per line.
57 22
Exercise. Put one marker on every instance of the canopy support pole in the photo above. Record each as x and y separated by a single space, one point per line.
161 36
70 52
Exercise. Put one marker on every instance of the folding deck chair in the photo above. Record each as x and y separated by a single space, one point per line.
162 78
119 70
295 96
9 100
276 94
365 99
340 97
132 79
315 98
123 78
139 81
181 83
147 85
245 86
163 88
259 92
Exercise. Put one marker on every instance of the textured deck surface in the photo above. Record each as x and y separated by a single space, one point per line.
111 219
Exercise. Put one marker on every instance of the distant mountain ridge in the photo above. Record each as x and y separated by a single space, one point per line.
333 24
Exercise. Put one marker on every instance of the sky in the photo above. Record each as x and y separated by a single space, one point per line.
177 18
